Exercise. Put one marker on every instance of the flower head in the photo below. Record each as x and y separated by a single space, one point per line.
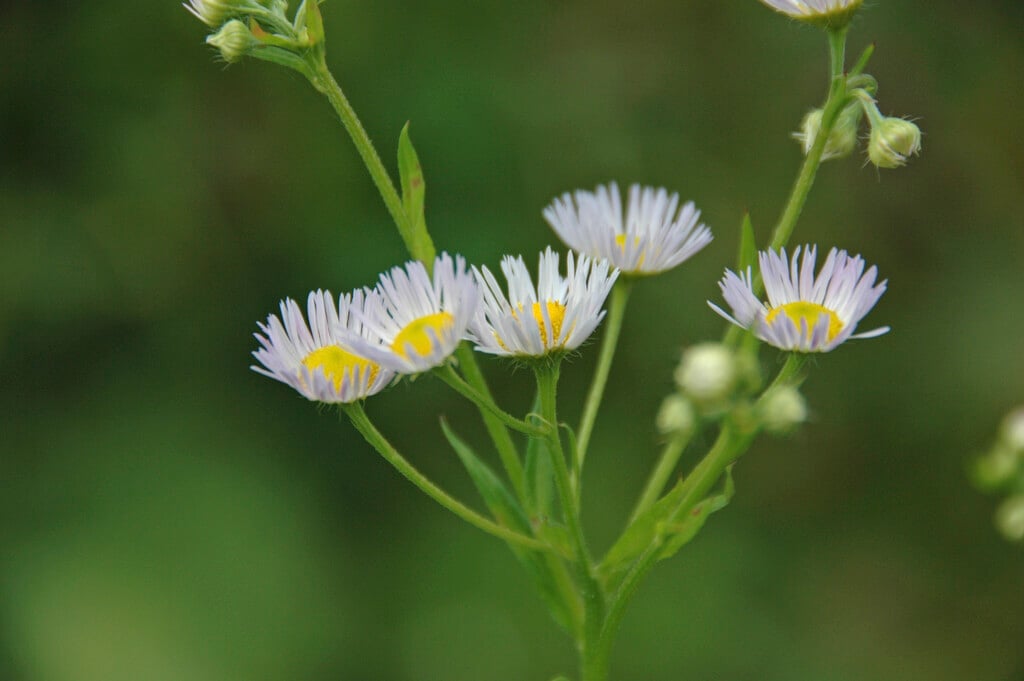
828 13
555 316
654 235
804 312
317 359
419 320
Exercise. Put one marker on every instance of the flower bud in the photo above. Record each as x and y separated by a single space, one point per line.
707 374
841 140
997 468
893 141
234 40
211 12
1011 433
675 415
1010 518
781 409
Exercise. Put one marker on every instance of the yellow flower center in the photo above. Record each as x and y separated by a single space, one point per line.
620 239
337 364
416 334
556 311
809 313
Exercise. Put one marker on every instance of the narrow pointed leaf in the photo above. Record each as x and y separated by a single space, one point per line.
507 511
685 529
414 186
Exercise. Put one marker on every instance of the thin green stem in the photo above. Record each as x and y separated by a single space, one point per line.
593 596
448 374
805 180
362 423
507 450
419 245
662 472
729 445
613 326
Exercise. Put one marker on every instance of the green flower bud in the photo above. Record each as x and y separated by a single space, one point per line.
841 140
234 40
675 415
1010 518
893 141
781 409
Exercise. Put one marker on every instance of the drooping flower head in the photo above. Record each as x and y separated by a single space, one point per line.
419 320
653 235
804 312
317 359
827 13
212 12
555 316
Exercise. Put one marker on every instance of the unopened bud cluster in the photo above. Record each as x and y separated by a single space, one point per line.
892 140
1002 468
715 379
260 28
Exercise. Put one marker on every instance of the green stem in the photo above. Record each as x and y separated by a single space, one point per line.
362 423
419 245
616 313
662 472
507 450
593 596
805 180
729 445
452 378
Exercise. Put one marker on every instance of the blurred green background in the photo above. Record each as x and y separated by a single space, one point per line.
166 513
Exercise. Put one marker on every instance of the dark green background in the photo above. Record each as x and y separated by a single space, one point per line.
165 513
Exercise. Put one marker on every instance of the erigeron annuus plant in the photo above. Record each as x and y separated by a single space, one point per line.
432 314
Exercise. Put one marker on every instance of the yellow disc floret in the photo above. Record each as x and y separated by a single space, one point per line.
809 313
620 240
337 363
556 311
416 334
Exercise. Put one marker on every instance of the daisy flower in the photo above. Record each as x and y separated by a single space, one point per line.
804 312
419 320
654 235
555 316
834 13
317 359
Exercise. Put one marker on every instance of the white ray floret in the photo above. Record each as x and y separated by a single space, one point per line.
653 235
317 358
804 312
813 9
420 320
555 316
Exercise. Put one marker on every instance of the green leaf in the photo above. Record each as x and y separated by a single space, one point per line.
748 245
499 500
658 525
682 531
507 511
414 187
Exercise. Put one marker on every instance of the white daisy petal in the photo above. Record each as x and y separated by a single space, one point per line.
653 235
417 320
805 312
557 315
317 359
